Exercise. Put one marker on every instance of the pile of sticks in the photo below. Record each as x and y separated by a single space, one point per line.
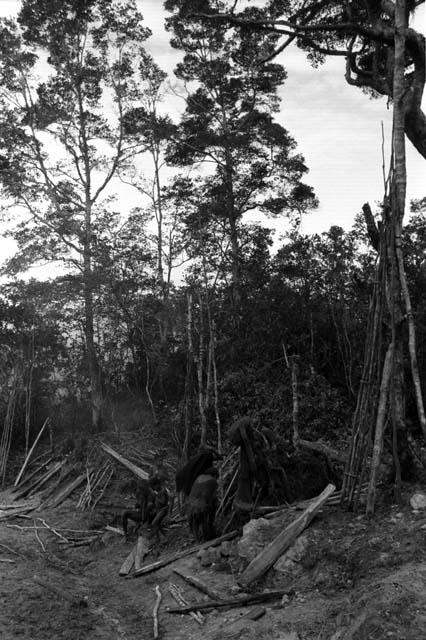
97 480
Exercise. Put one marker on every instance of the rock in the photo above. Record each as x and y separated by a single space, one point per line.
204 557
226 549
320 577
418 501
288 563
256 535
235 589
292 635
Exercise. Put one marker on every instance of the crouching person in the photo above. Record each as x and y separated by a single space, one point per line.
152 505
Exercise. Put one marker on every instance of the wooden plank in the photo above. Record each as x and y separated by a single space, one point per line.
270 554
128 563
182 554
126 463
142 549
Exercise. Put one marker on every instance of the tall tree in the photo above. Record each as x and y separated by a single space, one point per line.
229 126
62 140
361 31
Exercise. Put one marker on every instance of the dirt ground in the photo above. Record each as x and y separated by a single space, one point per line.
358 580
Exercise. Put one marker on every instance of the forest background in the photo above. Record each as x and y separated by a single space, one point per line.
114 335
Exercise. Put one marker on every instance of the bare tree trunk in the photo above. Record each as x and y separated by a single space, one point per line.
200 374
188 381
295 393
94 370
215 387
28 393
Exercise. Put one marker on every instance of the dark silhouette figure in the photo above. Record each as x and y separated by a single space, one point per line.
151 505
195 466
202 504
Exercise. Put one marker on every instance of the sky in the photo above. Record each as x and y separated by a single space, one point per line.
338 129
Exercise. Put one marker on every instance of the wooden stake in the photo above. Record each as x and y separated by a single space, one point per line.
270 554
27 459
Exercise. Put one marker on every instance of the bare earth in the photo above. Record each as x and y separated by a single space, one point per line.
359 580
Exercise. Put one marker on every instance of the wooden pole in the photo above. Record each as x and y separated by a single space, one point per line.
129 465
182 554
240 601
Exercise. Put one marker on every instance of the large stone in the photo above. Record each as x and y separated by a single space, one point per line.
256 535
289 561
418 501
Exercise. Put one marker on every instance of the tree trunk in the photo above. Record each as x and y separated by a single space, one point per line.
94 370
295 392
188 382
200 374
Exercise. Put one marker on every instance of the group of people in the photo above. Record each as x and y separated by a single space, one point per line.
196 488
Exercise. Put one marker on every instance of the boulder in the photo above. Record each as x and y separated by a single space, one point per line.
256 535
289 561
418 501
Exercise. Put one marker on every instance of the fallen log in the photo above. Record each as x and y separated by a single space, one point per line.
182 554
128 563
27 459
240 601
75 600
270 554
66 491
142 549
126 463
198 584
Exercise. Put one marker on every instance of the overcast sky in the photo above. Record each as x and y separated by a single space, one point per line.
336 126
